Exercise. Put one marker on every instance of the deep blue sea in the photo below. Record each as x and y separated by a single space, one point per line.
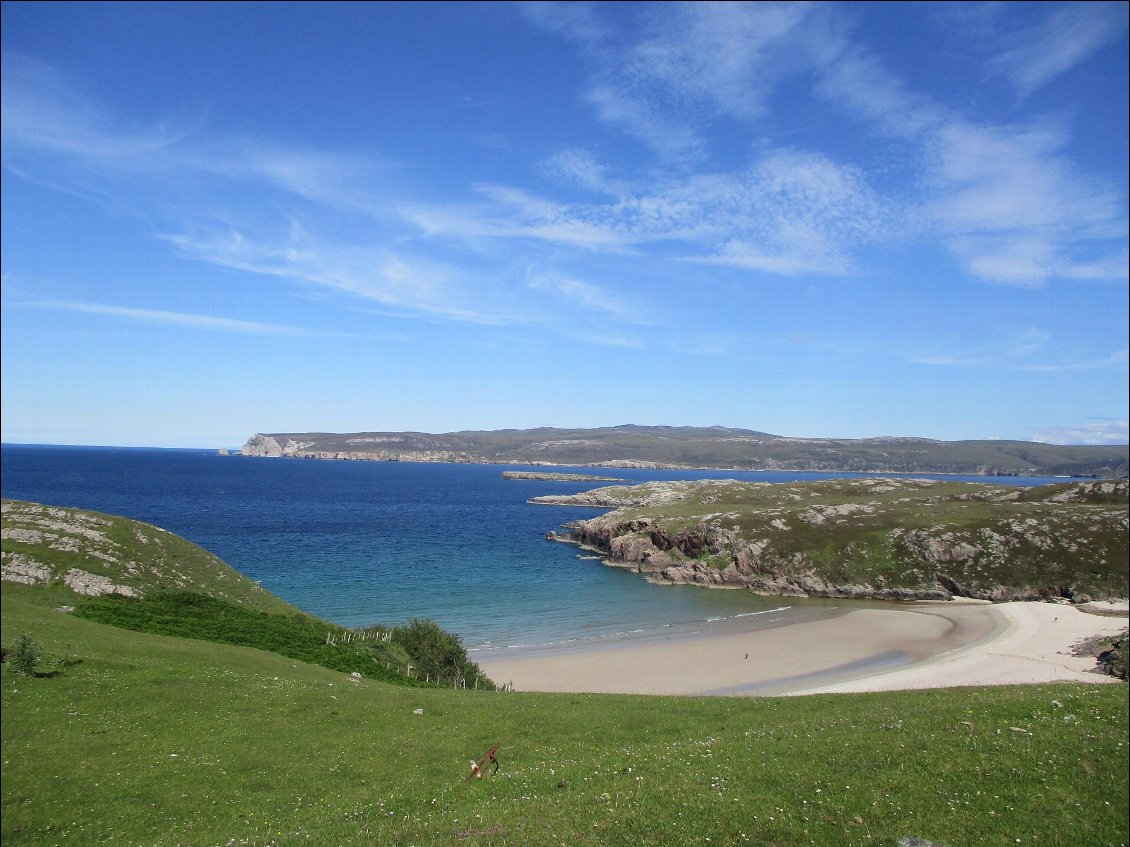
362 543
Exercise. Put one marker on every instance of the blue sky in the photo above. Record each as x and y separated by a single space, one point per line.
844 220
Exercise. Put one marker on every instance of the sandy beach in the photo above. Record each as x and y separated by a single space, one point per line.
919 645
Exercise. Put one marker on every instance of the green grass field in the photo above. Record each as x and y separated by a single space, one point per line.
133 738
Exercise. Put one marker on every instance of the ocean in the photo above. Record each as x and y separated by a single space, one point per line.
362 543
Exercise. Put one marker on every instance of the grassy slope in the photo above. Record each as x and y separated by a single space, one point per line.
162 741
155 740
136 555
175 588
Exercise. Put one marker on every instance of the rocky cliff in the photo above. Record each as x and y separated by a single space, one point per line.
891 539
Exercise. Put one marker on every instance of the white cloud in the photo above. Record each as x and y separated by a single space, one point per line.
1015 209
42 110
1007 199
1106 431
370 273
1063 39
1012 352
186 320
789 212
1027 351
662 73
588 297
581 168
856 81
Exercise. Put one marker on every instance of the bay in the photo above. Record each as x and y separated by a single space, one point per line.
360 543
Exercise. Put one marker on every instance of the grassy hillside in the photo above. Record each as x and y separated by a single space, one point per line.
137 576
127 737
869 537
702 447
144 739
98 554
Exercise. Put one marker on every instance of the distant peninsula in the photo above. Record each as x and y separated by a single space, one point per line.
710 448
549 476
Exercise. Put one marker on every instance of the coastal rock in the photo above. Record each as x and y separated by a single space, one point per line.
1009 548
93 585
550 476
23 569
262 445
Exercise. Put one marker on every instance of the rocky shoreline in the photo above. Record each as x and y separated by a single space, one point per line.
549 476
934 562
653 560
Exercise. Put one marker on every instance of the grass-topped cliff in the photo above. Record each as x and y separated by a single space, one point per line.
884 538
134 737
701 447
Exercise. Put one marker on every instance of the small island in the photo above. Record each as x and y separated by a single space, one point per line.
546 476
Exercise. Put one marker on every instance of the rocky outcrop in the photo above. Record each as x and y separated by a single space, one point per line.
268 445
550 476
271 446
261 445
24 569
794 547
716 558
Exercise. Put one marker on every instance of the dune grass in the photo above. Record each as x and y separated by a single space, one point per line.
155 740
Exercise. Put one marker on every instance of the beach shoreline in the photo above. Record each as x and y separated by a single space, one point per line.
904 646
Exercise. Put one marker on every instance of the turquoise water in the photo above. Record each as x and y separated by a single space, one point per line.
361 543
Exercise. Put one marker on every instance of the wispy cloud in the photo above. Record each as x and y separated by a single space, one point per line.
790 212
689 66
1016 211
370 273
1106 431
210 323
42 110
1005 198
1015 352
1030 351
1070 35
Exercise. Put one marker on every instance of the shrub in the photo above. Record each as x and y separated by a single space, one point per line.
436 652
24 655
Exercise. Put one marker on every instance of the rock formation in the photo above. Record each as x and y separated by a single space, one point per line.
881 539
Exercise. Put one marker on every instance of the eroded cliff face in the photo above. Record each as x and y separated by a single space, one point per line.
273 447
861 550
716 558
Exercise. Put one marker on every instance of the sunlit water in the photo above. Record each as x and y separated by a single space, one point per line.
360 543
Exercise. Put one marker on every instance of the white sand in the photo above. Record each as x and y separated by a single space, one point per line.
922 645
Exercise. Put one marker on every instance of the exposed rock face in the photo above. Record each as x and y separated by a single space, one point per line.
796 548
92 585
549 476
262 445
20 568
65 531
271 447
268 445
